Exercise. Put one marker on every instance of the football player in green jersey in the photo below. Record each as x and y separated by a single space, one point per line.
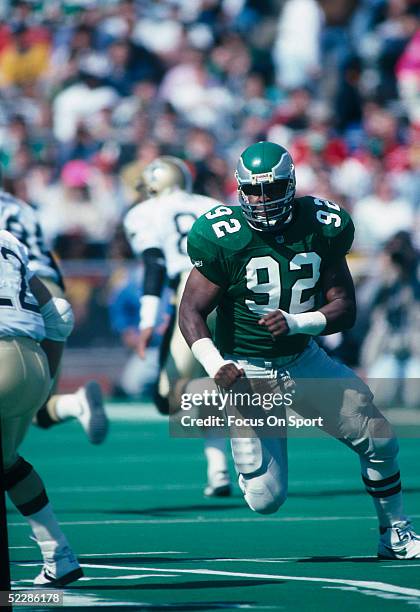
275 267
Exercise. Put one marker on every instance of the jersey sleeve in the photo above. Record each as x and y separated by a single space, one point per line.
332 225
140 230
205 256
340 243
11 242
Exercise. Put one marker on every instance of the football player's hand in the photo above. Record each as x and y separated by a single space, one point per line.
144 340
227 375
130 337
276 323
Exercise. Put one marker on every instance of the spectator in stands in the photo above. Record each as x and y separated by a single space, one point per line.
391 350
25 59
379 215
204 79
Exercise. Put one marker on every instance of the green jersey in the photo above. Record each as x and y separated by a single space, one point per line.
260 272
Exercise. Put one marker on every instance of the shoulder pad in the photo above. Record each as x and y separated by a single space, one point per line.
224 227
323 216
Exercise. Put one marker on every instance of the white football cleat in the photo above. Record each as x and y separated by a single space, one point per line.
399 542
219 486
60 568
92 413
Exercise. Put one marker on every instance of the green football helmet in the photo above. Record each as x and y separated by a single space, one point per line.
266 169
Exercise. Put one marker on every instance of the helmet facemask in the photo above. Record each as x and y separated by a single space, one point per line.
266 185
273 210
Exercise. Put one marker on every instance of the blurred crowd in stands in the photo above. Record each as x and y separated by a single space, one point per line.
91 91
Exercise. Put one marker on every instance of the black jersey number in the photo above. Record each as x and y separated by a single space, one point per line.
183 223
8 301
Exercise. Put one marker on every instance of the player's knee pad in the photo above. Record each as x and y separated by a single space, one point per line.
262 473
263 494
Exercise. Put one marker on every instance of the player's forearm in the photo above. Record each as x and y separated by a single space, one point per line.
154 272
337 315
195 331
54 352
340 307
154 277
39 290
340 315
192 323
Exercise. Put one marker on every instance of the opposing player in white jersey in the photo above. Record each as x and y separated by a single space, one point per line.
86 403
157 230
33 328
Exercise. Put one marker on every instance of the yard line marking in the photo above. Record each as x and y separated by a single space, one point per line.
17 547
125 488
388 596
176 487
367 584
117 554
388 565
203 521
127 577
210 560
67 459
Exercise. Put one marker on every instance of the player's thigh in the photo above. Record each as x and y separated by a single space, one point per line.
179 361
328 388
24 386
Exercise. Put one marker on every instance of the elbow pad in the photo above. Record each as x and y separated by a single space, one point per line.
58 319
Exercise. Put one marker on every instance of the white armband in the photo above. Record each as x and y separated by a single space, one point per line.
149 307
58 319
311 323
207 354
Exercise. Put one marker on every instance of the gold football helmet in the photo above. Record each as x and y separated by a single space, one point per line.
164 175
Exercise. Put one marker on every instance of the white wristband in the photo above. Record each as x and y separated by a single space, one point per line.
207 354
311 323
149 306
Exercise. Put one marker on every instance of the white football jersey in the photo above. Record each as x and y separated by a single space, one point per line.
20 219
19 310
163 222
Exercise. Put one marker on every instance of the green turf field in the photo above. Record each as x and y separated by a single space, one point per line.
133 510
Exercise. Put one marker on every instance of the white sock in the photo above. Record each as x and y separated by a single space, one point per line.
215 452
67 406
46 530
